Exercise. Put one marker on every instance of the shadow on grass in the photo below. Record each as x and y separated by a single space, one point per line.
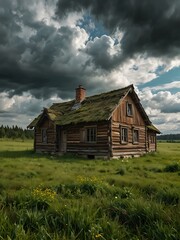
17 154
30 154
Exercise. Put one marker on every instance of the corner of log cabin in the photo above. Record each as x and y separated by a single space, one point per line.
136 121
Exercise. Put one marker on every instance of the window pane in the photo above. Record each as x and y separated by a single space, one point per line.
152 139
129 109
136 135
124 134
91 134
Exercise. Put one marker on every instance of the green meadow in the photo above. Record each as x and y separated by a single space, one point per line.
67 198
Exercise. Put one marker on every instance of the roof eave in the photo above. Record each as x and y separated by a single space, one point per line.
37 120
153 128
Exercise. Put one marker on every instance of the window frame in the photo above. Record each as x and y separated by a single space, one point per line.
152 139
133 136
123 135
44 136
91 134
129 109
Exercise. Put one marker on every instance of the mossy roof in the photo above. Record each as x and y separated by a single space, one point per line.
93 109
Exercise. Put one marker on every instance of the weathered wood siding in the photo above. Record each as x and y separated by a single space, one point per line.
120 119
120 115
77 142
50 145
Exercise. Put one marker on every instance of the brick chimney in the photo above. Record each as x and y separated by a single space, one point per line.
80 94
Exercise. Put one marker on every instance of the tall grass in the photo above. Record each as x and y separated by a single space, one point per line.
50 197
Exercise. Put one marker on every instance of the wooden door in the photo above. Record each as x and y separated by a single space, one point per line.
63 142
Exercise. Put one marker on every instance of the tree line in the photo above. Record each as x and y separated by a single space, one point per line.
15 132
169 137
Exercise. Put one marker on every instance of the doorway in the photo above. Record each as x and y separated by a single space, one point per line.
63 142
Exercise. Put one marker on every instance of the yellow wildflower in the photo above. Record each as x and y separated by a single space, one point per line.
99 235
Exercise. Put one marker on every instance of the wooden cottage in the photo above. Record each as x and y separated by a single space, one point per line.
108 125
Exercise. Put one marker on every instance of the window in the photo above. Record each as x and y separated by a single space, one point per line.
152 137
124 135
44 135
91 134
135 136
129 109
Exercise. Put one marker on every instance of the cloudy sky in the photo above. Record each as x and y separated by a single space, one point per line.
49 47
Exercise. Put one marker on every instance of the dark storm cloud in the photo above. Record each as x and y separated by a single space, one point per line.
150 27
27 65
42 58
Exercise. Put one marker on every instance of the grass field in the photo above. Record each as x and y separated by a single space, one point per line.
68 198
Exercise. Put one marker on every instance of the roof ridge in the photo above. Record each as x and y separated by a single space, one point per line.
116 90
98 94
62 102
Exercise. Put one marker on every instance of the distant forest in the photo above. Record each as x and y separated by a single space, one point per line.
169 137
15 132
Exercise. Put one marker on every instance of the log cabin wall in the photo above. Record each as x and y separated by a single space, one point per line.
49 144
120 120
77 140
